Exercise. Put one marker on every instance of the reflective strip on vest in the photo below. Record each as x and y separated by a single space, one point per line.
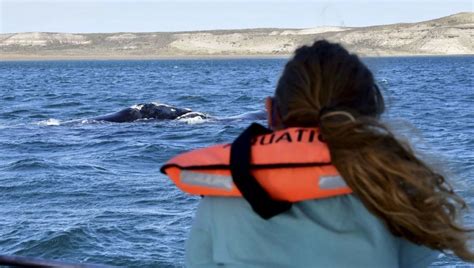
225 182
208 180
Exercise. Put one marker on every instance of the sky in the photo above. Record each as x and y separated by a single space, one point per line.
89 16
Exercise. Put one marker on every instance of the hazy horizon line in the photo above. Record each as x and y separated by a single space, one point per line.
244 29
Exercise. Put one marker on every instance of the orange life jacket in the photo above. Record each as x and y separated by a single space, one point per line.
290 165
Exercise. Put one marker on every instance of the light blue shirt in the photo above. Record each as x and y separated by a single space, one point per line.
331 232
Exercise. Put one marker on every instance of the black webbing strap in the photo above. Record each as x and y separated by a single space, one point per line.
252 191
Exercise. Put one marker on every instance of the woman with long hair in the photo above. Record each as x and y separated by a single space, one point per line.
401 213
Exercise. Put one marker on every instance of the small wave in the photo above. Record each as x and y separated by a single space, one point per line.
91 121
18 113
53 243
63 105
49 122
9 98
243 98
253 115
193 99
28 164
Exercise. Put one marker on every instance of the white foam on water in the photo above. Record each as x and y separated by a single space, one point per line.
89 121
49 122
193 120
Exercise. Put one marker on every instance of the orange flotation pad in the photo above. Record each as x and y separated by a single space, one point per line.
290 165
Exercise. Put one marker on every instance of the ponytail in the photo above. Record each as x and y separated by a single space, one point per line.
414 201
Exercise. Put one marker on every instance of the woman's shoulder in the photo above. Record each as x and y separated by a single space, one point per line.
337 206
339 214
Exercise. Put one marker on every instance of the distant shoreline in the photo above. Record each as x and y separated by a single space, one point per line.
19 58
131 58
451 35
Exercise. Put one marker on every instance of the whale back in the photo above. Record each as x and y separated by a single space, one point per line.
125 115
161 111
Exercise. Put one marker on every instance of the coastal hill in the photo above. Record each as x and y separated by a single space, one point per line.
444 36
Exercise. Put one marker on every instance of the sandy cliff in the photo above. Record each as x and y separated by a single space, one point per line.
445 36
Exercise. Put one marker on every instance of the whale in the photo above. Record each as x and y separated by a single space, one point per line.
162 111
147 111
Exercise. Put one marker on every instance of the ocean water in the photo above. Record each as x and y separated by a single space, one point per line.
82 191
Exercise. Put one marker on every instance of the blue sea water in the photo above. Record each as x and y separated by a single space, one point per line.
82 191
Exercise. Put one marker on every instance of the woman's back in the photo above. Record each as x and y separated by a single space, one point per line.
333 232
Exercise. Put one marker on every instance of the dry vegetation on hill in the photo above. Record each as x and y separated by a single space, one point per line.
445 36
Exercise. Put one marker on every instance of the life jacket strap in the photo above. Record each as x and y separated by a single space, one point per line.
240 152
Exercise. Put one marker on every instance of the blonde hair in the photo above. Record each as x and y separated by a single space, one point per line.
325 86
